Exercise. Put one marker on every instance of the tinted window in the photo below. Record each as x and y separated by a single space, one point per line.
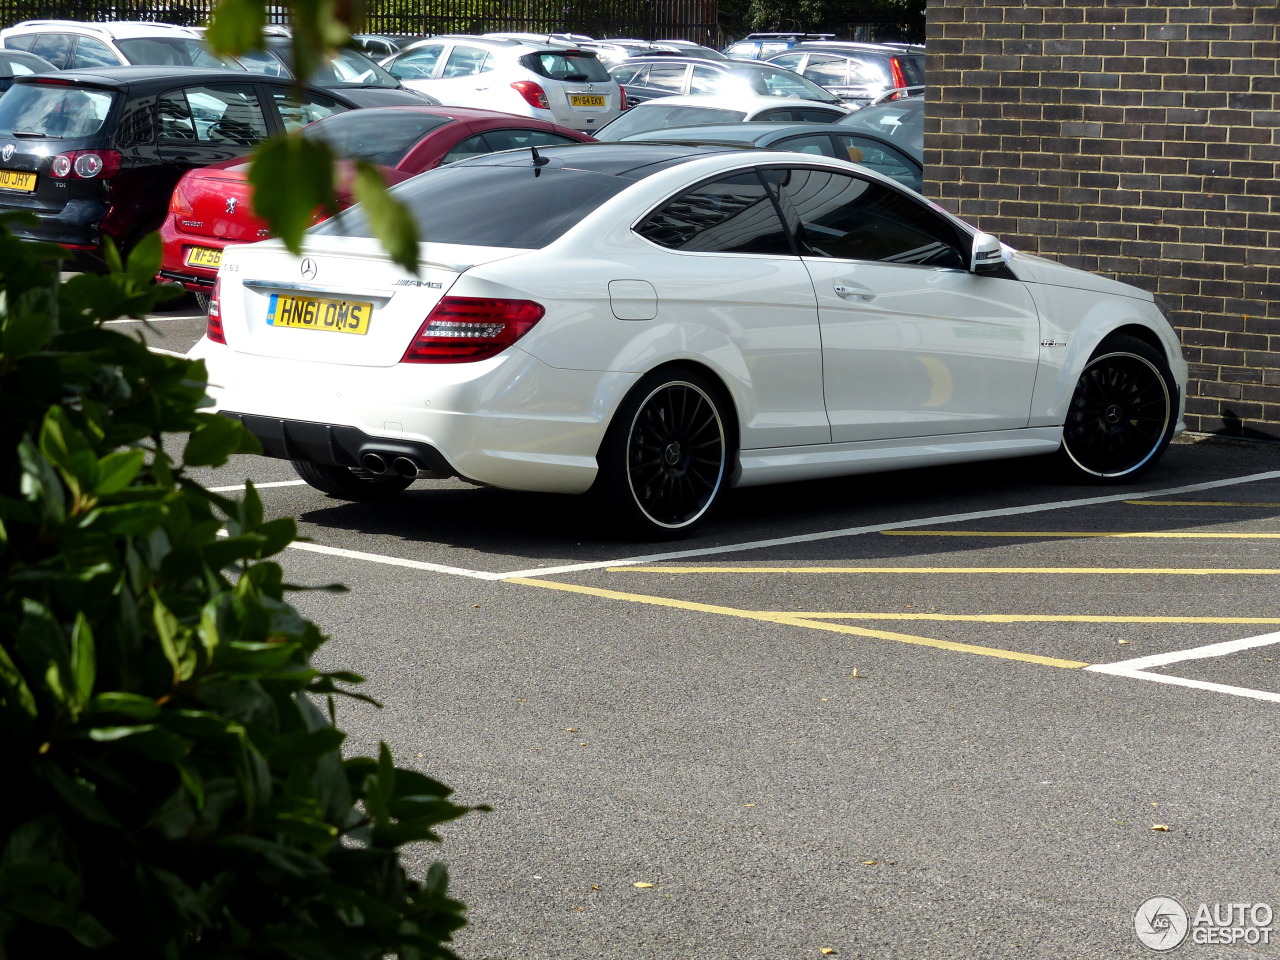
171 51
784 83
379 136
48 110
848 218
788 61
492 206
901 121
54 47
819 144
297 112
912 69
881 158
517 139
827 70
416 64
732 215
625 74
260 61
93 53
465 61
20 42
667 76
575 66
818 115
217 114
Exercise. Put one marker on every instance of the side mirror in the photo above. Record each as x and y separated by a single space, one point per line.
987 255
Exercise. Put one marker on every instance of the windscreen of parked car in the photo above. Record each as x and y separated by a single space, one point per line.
655 115
172 51
491 206
53 111
901 121
574 66
773 83
379 136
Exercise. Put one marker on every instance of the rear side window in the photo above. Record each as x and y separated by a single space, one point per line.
494 140
54 47
221 114
465 61
912 69
731 215
297 112
22 42
573 66
93 53
417 64
169 51
53 110
491 206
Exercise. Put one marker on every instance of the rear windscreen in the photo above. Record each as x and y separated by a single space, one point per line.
171 51
53 111
656 115
572 66
491 206
379 136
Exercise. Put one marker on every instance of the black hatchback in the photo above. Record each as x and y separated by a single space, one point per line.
96 153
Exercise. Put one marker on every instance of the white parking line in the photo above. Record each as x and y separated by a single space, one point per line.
1138 668
257 486
881 527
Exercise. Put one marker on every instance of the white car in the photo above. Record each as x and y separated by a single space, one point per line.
689 109
544 79
658 323
76 45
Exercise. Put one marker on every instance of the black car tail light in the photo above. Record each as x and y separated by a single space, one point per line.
465 329
213 328
86 165
533 94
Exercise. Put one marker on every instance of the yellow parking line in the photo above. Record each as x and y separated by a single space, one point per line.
1146 535
1113 571
1201 503
1030 618
794 620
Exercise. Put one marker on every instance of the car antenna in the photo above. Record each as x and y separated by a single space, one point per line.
538 159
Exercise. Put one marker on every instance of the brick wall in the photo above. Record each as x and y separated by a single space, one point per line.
1136 138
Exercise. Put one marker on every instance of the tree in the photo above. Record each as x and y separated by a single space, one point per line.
172 787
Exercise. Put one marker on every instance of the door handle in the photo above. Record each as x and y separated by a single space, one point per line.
850 291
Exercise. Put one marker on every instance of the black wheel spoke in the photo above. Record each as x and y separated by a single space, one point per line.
1120 415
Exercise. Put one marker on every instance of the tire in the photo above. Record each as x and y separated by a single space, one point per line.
665 458
203 300
1122 413
348 484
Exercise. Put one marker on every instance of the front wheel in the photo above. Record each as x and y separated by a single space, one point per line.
1122 413
665 458
349 484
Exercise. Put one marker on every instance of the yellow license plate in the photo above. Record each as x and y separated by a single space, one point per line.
204 257
339 316
584 100
17 180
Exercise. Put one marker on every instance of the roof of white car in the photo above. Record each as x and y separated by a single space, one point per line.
118 30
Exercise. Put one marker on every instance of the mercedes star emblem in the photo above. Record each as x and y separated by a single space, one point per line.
308 269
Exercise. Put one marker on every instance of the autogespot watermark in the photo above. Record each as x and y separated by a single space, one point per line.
1163 923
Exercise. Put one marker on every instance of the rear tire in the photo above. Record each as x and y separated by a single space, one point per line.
349 484
203 300
665 459
1122 413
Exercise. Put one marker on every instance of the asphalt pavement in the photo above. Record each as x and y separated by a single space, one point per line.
957 712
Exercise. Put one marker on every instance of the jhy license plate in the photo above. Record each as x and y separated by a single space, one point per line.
17 180
204 257
585 100
340 316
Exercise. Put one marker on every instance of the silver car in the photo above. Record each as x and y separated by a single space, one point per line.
547 80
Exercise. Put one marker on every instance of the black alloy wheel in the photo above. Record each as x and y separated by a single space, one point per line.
348 484
665 460
1122 413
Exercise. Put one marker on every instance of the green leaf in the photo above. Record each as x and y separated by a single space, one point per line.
144 258
23 332
117 470
15 696
291 177
83 660
390 220
235 26
215 439
132 705
147 739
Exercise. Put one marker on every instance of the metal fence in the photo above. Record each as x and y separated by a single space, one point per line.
650 19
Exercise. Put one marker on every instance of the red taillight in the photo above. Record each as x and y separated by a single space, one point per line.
622 98
213 329
179 203
533 94
463 329
86 165
899 78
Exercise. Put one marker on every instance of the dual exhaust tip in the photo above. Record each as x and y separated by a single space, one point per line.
379 466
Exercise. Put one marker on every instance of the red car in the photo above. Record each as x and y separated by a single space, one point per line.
211 205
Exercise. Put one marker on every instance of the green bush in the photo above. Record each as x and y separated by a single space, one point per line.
170 786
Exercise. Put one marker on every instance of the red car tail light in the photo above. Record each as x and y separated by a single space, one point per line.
86 165
213 328
464 329
899 78
533 94
179 202
622 98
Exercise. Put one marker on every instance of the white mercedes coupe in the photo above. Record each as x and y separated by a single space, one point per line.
655 324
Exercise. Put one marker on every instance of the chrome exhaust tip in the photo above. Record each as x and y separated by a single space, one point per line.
374 464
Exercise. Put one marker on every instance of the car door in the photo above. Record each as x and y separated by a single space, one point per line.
913 343
660 80
466 78
416 68
722 261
